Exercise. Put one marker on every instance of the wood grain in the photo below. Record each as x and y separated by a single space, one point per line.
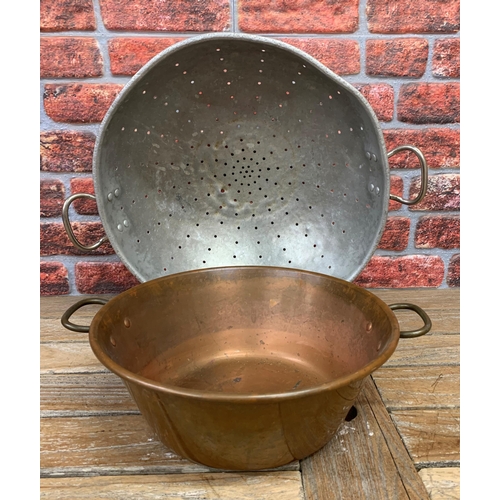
84 394
442 350
54 307
442 483
431 436
119 444
73 357
51 311
429 299
405 466
218 486
444 322
359 463
51 330
441 305
94 444
407 388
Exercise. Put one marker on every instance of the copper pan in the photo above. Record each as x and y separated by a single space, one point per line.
244 368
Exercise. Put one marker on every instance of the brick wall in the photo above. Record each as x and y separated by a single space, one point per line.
402 55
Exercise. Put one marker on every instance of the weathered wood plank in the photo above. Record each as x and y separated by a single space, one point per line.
404 464
51 330
284 485
73 357
444 321
414 387
429 299
359 464
442 483
51 311
106 445
442 350
406 468
419 384
84 395
431 436
54 307
445 317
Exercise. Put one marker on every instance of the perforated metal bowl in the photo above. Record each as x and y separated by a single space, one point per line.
231 150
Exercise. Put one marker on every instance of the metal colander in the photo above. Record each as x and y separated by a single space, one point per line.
231 150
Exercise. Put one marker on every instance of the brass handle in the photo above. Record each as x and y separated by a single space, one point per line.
67 224
72 326
424 174
425 317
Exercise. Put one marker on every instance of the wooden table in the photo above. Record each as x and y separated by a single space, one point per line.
404 442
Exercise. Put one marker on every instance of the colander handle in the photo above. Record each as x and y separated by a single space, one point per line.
67 224
424 174
425 317
84 302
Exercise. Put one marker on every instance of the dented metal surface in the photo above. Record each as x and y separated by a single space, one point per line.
234 149
244 368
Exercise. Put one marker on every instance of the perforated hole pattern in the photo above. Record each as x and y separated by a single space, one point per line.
235 153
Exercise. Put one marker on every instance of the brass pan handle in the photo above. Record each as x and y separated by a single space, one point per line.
67 224
424 174
79 328
414 333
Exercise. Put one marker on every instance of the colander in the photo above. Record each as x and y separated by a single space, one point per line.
240 150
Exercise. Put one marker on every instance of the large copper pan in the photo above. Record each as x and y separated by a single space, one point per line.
244 367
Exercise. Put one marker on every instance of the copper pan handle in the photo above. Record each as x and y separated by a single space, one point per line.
424 174
425 317
67 224
84 302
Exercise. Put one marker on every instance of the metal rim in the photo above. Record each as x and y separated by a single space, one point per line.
100 196
133 378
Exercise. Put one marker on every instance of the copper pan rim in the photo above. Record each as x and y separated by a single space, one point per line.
249 398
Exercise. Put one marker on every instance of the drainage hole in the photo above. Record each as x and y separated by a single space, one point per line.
351 414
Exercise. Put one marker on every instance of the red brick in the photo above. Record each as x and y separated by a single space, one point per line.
397 190
55 241
413 16
83 206
438 232
158 15
402 272
103 277
380 96
440 147
429 103
403 57
79 103
446 58
67 15
443 193
70 57
66 151
129 55
453 278
51 197
341 56
298 16
53 279
396 234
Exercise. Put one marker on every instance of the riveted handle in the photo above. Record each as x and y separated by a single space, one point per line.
424 174
84 302
67 224
425 317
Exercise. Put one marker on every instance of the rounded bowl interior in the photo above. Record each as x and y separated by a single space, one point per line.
237 150
250 332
